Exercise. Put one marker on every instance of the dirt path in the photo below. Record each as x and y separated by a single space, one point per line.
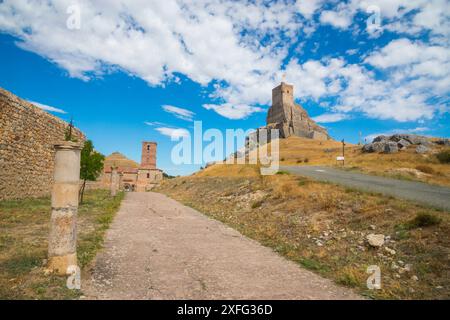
160 249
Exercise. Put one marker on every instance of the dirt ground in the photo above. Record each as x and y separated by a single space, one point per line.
157 248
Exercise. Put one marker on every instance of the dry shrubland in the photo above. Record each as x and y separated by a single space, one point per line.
323 227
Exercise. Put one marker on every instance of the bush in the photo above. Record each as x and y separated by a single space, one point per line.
425 169
306 160
444 156
299 161
257 204
282 172
423 219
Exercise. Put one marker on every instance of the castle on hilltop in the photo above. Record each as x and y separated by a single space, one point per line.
290 118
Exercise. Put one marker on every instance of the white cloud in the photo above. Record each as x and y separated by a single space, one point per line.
308 7
232 111
336 18
330 117
46 107
174 133
241 48
180 113
154 123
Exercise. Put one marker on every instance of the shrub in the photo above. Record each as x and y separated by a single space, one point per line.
444 156
306 160
282 172
425 169
423 219
257 204
299 161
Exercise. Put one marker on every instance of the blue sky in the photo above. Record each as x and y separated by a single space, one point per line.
133 71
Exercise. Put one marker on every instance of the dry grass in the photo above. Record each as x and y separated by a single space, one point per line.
323 227
302 151
24 226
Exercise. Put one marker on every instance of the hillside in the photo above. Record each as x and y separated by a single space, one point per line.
325 227
406 164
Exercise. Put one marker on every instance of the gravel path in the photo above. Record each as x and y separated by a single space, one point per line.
157 248
424 193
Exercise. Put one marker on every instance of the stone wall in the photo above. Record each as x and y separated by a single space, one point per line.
290 118
27 136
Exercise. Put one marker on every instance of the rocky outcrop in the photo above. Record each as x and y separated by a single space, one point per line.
397 142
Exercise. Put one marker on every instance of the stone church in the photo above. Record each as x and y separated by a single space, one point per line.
133 176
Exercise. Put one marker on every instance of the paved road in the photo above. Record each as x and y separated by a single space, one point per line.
416 191
157 248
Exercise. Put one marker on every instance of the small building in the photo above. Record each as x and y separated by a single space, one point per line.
133 176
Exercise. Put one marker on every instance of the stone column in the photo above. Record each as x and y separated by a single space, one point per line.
114 181
62 246
119 186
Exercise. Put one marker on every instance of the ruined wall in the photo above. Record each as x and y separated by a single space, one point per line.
290 118
27 136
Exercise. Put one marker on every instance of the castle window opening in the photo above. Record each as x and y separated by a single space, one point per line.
148 175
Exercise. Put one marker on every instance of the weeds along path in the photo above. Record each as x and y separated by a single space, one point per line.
157 248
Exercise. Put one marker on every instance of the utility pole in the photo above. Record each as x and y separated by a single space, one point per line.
343 152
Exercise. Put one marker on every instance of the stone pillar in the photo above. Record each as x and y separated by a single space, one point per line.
114 181
119 186
62 246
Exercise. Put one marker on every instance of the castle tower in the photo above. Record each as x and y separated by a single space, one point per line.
282 104
148 158
290 118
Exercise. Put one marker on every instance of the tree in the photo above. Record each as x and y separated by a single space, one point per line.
91 165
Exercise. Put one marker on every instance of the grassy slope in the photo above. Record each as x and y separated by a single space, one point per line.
323 227
24 226
295 150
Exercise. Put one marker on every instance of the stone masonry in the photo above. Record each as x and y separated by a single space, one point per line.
62 242
290 118
27 137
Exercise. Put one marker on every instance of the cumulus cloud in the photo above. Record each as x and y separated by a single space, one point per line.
180 113
241 49
330 117
336 19
173 133
46 107
308 7
232 111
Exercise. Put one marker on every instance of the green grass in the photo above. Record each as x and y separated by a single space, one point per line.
24 227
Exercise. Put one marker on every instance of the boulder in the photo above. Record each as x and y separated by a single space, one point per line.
443 142
374 147
375 240
380 138
390 147
403 144
411 138
421 149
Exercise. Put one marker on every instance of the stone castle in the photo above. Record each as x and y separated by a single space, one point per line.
290 118
133 176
